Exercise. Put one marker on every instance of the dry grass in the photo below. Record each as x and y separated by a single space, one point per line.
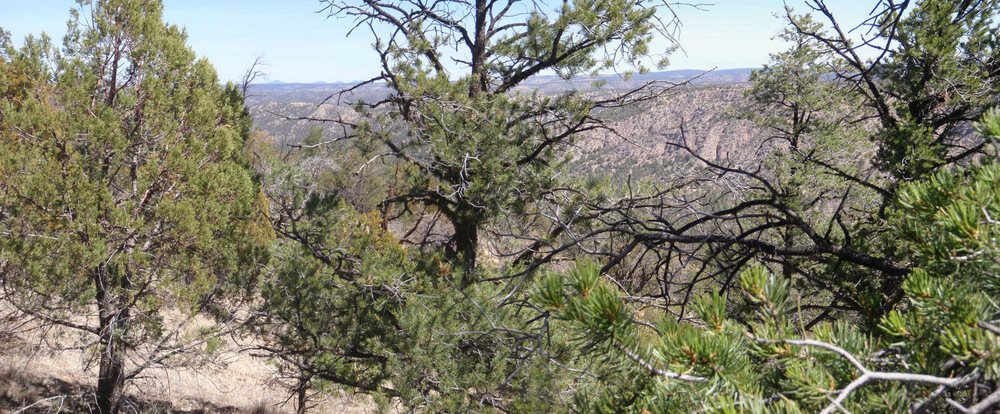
12 373
36 379
262 407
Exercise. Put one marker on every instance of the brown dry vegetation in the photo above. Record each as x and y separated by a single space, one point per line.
45 371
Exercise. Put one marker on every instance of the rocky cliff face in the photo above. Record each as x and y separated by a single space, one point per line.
640 138
288 122
637 143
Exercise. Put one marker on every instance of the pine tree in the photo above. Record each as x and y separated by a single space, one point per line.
938 352
124 189
863 282
842 132
467 141
472 142
346 305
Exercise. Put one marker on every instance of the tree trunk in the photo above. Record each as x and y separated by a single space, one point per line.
786 268
111 374
466 243
111 379
303 398
478 58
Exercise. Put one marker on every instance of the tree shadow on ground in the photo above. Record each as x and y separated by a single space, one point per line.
24 393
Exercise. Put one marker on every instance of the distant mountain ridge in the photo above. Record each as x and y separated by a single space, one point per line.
317 91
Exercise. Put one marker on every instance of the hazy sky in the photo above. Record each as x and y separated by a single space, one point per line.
301 45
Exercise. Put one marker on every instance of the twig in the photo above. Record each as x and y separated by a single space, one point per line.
25 408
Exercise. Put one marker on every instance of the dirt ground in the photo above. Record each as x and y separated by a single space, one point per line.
34 378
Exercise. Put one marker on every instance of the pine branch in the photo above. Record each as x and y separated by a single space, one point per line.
866 374
656 371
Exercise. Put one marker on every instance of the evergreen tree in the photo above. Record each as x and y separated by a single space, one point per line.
124 190
469 142
842 134
853 271
938 352
472 142
347 305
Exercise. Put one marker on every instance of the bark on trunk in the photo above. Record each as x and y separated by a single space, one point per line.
466 244
303 398
787 270
478 57
111 373
111 380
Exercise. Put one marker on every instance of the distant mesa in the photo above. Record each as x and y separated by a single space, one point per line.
702 75
279 82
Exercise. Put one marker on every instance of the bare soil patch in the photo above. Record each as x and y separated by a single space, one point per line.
35 378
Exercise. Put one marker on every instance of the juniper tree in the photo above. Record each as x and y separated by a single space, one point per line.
124 192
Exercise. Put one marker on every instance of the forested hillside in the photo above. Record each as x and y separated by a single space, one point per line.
636 141
491 223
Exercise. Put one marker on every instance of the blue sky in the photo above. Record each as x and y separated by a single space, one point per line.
301 45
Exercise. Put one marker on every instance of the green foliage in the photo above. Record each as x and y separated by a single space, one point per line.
422 327
662 366
124 186
841 133
947 41
833 315
855 270
347 305
311 143
960 205
475 144
331 300
948 222
815 130
770 365
941 342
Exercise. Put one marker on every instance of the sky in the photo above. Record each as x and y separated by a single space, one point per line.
300 44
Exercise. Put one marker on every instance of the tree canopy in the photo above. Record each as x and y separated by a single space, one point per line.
846 263
791 285
472 144
125 190
836 274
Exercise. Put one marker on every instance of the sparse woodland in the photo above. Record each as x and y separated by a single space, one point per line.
438 247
